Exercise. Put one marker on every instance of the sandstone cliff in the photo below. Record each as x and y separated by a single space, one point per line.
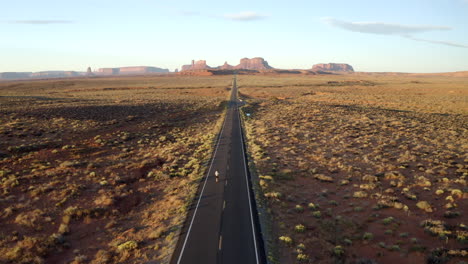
256 64
196 65
333 67
253 64
54 74
226 66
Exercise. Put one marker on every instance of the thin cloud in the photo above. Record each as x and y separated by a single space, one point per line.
245 16
40 22
381 28
448 43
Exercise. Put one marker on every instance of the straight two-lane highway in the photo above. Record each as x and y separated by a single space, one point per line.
221 226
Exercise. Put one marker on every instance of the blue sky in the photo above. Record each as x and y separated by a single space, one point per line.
371 35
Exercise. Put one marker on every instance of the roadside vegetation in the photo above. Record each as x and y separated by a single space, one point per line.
361 168
102 170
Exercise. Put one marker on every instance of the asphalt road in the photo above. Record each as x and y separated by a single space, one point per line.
221 225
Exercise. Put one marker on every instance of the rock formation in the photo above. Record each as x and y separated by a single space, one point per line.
253 64
108 71
245 64
141 70
196 65
89 72
226 66
54 74
333 67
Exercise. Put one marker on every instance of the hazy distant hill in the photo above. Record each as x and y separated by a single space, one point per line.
66 74
39 75
15 75
131 70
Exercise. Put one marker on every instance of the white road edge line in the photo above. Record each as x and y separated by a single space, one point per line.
220 242
201 193
248 192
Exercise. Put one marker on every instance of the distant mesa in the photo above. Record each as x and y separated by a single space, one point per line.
54 74
332 67
256 64
196 65
259 65
253 64
131 70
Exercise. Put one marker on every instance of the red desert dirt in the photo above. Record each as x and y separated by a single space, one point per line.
347 168
361 168
102 170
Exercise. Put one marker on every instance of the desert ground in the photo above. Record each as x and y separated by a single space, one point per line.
361 168
353 168
102 170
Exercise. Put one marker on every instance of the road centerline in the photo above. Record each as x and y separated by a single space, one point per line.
218 233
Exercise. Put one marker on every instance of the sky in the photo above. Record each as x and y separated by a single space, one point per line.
370 35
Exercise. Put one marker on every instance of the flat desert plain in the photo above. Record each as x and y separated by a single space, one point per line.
353 168
361 168
102 170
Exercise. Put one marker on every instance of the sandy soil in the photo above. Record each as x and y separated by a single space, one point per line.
369 170
102 170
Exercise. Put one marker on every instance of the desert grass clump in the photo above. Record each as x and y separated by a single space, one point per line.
395 248
408 194
456 193
323 178
298 208
275 195
128 246
348 241
338 251
424 205
388 220
462 236
30 219
28 250
405 234
367 236
302 257
317 214
452 214
360 194
299 228
436 228
287 240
